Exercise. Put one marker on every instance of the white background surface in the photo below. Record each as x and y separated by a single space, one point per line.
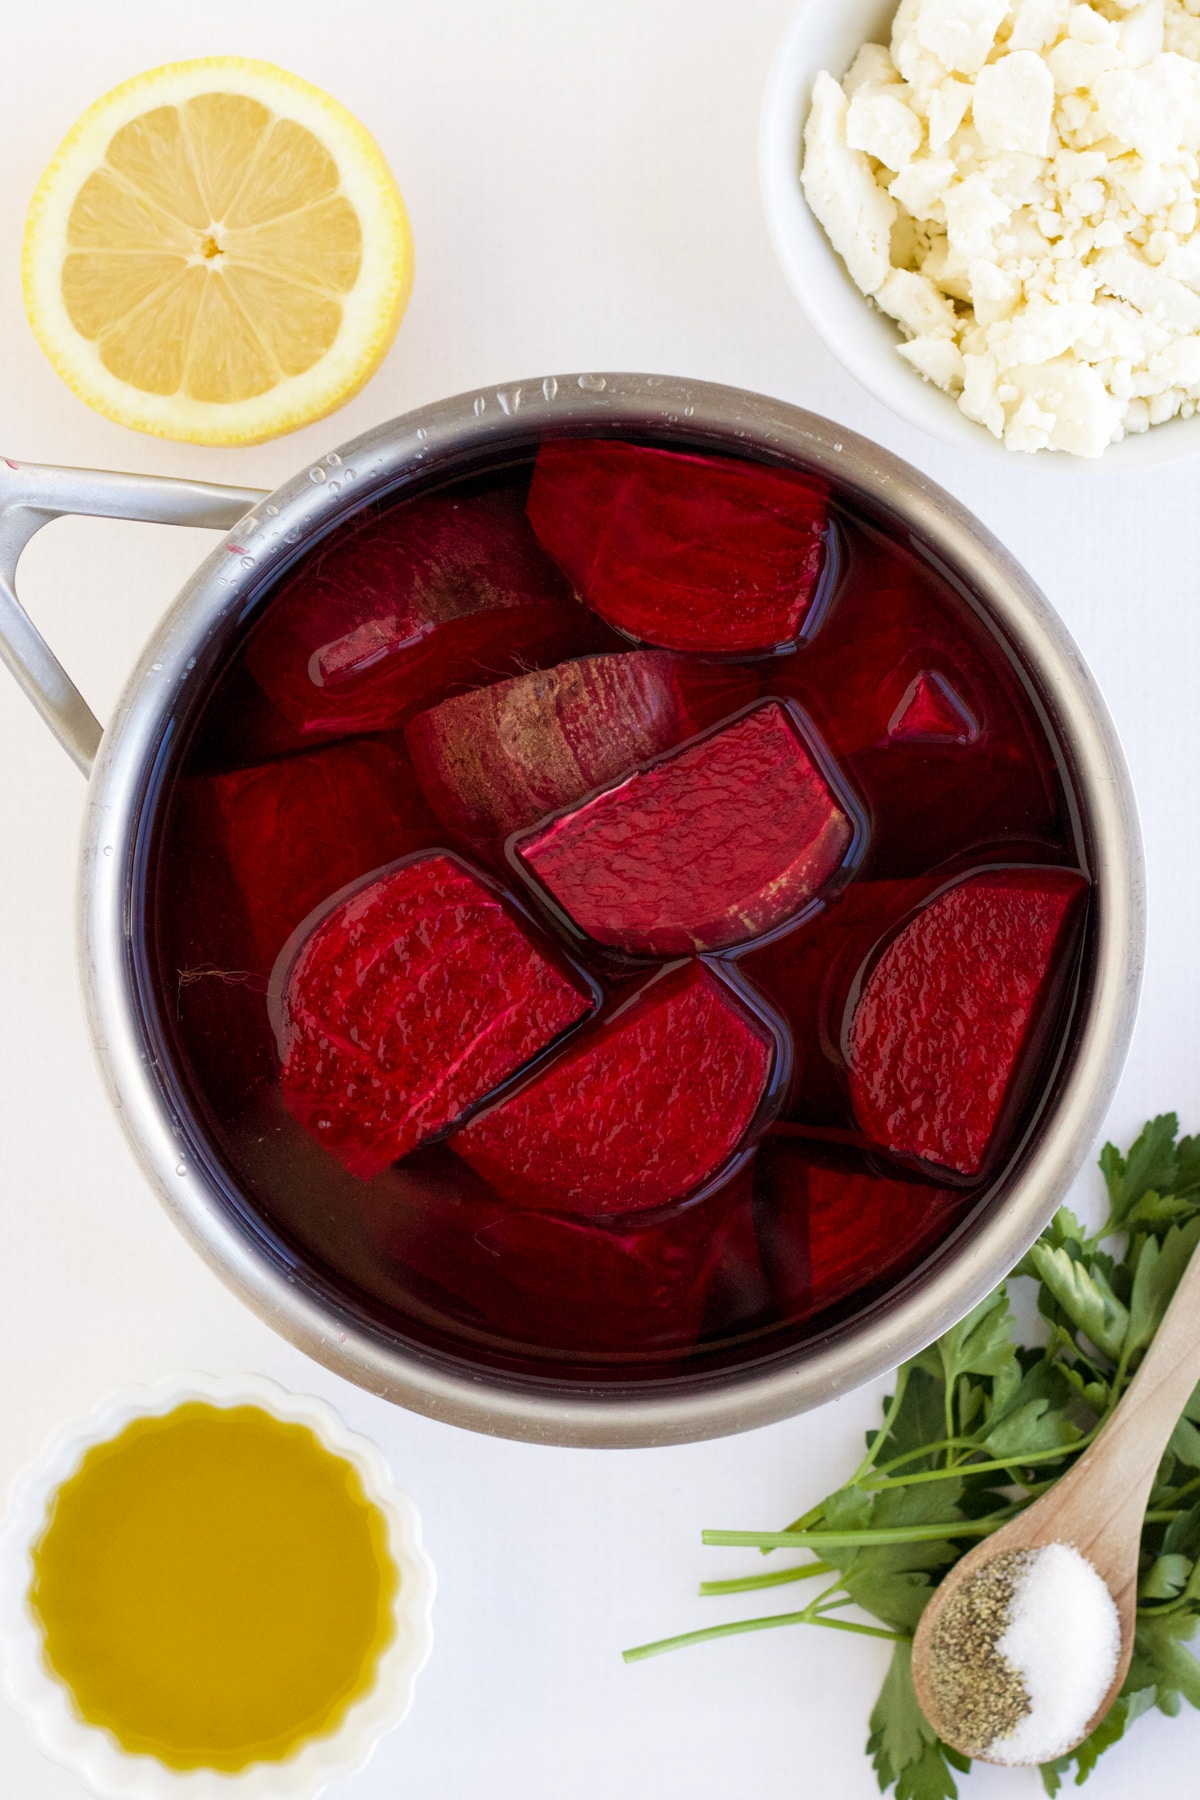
583 189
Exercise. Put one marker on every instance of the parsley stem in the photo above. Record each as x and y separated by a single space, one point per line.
903 1534
745 1584
642 1651
881 1436
983 1468
922 1450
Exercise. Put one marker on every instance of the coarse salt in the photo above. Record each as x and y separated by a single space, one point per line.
1063 1638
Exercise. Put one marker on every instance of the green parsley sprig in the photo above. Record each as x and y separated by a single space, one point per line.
981 1424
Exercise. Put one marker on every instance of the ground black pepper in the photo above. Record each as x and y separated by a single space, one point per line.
970 1681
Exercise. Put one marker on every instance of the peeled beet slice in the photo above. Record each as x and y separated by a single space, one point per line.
642 1111
830 1226
565 1284
407 1004
938 1032
433 592
688 552
297 830
715 844
501 757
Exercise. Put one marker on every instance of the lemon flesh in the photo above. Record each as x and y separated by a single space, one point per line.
217 253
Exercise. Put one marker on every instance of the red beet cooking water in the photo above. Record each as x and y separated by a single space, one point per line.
617 910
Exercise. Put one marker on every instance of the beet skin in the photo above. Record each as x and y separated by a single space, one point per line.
297 830
642 1111
945 1013
401 606
711 846
498 758
692 553
406 1005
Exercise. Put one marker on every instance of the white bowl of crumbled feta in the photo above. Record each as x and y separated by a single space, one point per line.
990 214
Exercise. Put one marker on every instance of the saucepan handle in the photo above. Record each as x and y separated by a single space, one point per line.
31 494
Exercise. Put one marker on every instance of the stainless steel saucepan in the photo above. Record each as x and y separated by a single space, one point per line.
264 533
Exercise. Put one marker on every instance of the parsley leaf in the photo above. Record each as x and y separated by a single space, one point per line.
1082 1291
903 1747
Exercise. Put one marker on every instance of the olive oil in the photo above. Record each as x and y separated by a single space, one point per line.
214 1587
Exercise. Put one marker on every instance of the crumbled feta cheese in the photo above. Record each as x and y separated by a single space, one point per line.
947 108
1029 428
1016 183
872 67
1046 329
1014 100
1142 34
1038 23
1080 65
921 187
960 32
1183 262
1147 108
857 214
994 291
938 359
973 212
1151 291
1086 416
1087 26
1178 365
980 400
914 302
883 126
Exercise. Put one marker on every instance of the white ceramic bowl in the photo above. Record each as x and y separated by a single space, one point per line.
825 34
107 1771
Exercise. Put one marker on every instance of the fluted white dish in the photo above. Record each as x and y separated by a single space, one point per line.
826 34
93 1754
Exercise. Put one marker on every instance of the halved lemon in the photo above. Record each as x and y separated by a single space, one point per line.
218 253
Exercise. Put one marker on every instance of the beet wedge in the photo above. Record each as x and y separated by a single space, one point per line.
297 830
570 1285
708 847
937 1036
407 1004
831 1227
499 758
644 1110
930 712
696 553
434 592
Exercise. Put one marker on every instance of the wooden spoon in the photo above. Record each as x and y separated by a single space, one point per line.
1098 1506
